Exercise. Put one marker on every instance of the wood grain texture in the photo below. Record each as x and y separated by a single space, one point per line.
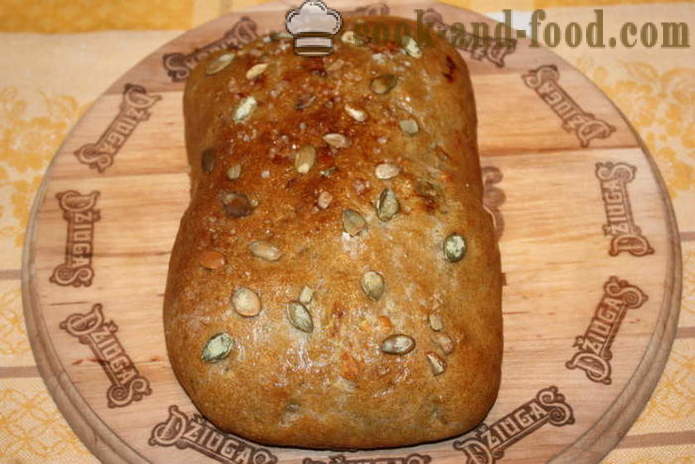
555 252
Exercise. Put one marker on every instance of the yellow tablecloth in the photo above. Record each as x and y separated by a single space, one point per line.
59 55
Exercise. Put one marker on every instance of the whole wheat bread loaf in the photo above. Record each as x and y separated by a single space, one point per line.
335 282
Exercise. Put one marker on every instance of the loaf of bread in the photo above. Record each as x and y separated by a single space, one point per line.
335 282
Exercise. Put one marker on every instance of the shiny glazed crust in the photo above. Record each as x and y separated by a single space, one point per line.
335 387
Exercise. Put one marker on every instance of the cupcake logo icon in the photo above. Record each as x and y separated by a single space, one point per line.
313 26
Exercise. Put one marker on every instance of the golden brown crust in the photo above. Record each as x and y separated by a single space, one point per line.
334 387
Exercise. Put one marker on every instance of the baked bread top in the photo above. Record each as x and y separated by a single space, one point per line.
335 282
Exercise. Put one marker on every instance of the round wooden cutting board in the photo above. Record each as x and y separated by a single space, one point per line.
588 240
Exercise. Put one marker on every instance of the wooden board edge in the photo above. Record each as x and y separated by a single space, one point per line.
89 428
610 429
